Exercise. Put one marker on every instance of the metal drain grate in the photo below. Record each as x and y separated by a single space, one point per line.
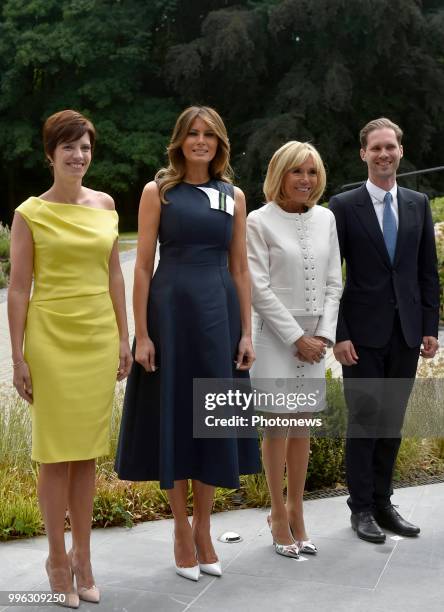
400 484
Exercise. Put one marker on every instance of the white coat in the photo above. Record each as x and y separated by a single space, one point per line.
296 278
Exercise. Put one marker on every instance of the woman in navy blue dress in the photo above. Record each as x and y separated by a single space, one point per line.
192 320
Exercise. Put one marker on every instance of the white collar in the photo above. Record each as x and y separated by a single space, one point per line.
377 193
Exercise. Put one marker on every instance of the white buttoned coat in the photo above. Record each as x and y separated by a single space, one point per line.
295 269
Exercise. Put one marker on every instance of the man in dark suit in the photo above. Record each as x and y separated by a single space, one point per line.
389 308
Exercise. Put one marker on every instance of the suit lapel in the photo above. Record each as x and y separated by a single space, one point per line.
365 211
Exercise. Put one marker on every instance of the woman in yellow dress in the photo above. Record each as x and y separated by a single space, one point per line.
69 341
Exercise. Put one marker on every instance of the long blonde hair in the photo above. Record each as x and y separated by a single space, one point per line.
219 168
292 155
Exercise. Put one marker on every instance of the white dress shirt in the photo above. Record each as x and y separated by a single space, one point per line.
377 197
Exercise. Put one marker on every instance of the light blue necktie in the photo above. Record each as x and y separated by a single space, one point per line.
389 228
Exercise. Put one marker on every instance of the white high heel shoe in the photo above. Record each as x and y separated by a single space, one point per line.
213 569
191 573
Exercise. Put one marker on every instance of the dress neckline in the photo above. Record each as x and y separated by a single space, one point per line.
73 205
198 184
292 215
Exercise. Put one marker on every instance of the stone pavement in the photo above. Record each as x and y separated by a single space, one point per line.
133 567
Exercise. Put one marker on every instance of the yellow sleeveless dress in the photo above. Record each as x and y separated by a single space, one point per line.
71 336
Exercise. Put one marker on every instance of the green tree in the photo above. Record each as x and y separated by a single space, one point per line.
275 69
100 57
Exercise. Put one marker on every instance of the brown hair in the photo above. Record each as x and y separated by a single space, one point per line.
66 126
377 124
219 167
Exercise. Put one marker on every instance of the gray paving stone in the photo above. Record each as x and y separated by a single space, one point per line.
251 593
134 567
410 587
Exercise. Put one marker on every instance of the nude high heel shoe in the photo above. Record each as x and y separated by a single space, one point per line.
86 593
58 576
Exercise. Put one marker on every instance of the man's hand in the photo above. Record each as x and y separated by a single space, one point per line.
345 353
430 346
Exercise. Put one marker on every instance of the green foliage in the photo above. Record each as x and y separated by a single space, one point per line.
5 240
437 206
439 236
276 70
326 465
19 511
99 57
255 493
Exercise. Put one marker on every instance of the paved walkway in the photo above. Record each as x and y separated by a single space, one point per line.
134 567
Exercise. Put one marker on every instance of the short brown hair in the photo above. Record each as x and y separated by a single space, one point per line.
378 124
66 126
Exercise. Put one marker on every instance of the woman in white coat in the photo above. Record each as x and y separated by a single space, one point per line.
295 269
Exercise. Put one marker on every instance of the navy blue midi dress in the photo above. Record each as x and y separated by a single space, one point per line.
194 322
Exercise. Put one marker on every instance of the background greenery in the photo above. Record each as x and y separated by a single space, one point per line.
275 69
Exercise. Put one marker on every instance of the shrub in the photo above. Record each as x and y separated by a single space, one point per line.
5 239
439 237
437 206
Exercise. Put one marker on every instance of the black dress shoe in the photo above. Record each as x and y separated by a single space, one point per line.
366 527
389 518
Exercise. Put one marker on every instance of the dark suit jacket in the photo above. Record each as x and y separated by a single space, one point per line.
375 288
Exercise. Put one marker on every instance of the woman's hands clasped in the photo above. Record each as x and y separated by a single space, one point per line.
310 348
125 360
245 354
146 353
22 381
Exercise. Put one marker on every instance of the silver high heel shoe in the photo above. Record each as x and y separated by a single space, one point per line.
286 550
305 546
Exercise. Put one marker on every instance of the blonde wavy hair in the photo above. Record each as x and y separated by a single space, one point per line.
292 155
173 174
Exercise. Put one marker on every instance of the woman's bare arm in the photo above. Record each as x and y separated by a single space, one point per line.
22 261
148 230
238 266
